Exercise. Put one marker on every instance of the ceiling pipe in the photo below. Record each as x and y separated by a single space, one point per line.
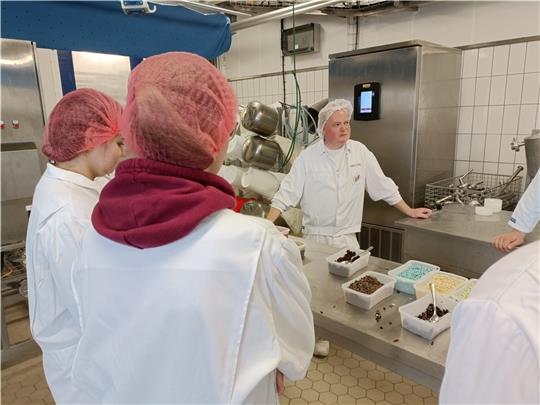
282 13
201 6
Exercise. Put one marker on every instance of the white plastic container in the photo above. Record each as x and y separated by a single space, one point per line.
366 301
407 285
347 269
460 293
410 321
483 211
494 204
421 287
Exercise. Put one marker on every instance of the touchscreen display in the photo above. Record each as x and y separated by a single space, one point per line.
366 98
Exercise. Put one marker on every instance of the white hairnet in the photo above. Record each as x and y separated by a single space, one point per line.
329 109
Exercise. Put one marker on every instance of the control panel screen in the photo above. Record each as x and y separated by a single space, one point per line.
366 101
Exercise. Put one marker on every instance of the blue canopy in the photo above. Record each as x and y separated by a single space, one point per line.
101 26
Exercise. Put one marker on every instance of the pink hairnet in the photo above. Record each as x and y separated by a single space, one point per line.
82 120
180 109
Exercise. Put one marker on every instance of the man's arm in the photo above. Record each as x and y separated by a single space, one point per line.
403 207
523 220
273 214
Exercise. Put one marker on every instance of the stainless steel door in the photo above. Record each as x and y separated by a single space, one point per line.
21 136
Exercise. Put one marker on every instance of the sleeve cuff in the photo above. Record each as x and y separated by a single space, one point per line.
394 198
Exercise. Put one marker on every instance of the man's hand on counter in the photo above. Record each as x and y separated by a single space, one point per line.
508 241
412 212
420 213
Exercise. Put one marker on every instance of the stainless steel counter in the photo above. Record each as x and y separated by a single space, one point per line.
384 342
456 239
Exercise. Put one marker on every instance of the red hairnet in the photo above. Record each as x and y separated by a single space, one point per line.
180 109
82 120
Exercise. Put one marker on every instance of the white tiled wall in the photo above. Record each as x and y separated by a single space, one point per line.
500 96
313 87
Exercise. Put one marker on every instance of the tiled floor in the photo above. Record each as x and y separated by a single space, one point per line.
341 378
25 383
345 378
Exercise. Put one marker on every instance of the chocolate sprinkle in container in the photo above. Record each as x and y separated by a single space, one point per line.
410 321
367 301
347 268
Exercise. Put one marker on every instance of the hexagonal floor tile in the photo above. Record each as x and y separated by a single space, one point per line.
325 368
349 380
366 383
328 398
384 386
342 370
335 360
304 384
403 388
351 363
331 378
393 397
357 392
359 372
422 391
393 377
310 395
292 392
315 375
338 389
346 400
375 395
344 353
321 386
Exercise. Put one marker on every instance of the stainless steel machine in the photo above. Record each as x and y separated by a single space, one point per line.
21 131
405 99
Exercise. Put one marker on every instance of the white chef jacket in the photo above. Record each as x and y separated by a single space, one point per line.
331 198
527 212
205 319
62 204
494 349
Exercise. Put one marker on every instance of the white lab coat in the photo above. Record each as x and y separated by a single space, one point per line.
332 200
494 351
527 212
205 319
62 204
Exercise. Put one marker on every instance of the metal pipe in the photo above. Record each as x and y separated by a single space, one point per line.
201 6
282 13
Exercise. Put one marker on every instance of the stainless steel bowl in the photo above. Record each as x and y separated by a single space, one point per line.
260 118
260 152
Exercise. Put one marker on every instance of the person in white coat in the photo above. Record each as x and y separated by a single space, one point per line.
524 218
329 179
82 142
494 353
182 300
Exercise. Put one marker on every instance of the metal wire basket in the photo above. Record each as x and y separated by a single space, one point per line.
474 187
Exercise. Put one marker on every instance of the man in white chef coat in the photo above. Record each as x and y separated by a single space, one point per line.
494 348
329 179
524 218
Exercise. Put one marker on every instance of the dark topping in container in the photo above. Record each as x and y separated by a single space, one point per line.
428 313
366 285
349 256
